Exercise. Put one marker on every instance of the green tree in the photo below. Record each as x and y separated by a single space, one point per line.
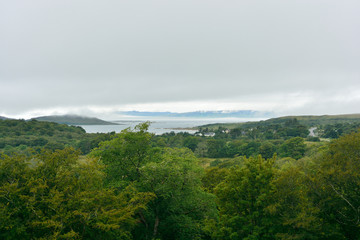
173 175
181 203
245 200
191 142
338 184
267 149
201 150
125 154
293 147
294 206
213 176
216 148
56 195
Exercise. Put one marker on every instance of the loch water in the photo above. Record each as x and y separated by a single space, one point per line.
160 126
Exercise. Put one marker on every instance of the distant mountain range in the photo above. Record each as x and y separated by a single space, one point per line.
201 114
3 118
73 120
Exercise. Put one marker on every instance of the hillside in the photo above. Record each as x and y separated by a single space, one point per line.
73 120
20 135
14 133
309 120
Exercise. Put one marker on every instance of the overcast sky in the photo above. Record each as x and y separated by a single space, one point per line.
94 57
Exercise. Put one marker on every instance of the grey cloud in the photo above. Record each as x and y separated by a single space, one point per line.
67 53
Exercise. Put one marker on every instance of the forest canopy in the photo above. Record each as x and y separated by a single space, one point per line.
137 185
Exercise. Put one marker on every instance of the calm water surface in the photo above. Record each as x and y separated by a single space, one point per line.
160 126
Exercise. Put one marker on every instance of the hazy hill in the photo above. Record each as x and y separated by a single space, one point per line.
73 120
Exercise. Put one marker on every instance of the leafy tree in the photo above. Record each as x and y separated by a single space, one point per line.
191 142
245 200
54 195
37 135
173 175
293 147
213 176
318 198
338 185
251 148
267 150
201 150
294 207
338 129
216 148
181 203
125 154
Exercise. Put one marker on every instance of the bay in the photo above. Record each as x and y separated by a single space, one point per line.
163 125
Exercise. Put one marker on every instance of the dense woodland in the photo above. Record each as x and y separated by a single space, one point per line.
26 136
265 180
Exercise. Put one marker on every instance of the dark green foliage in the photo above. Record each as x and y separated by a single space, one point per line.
181 203
338 179
339 129
38 134
215 148
172 174
308 121
125 154
295 209
191 142
293 147
55 195
213 176
34 134
313 139
245 200
267 150
249 140
319 198
263 130
135 185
